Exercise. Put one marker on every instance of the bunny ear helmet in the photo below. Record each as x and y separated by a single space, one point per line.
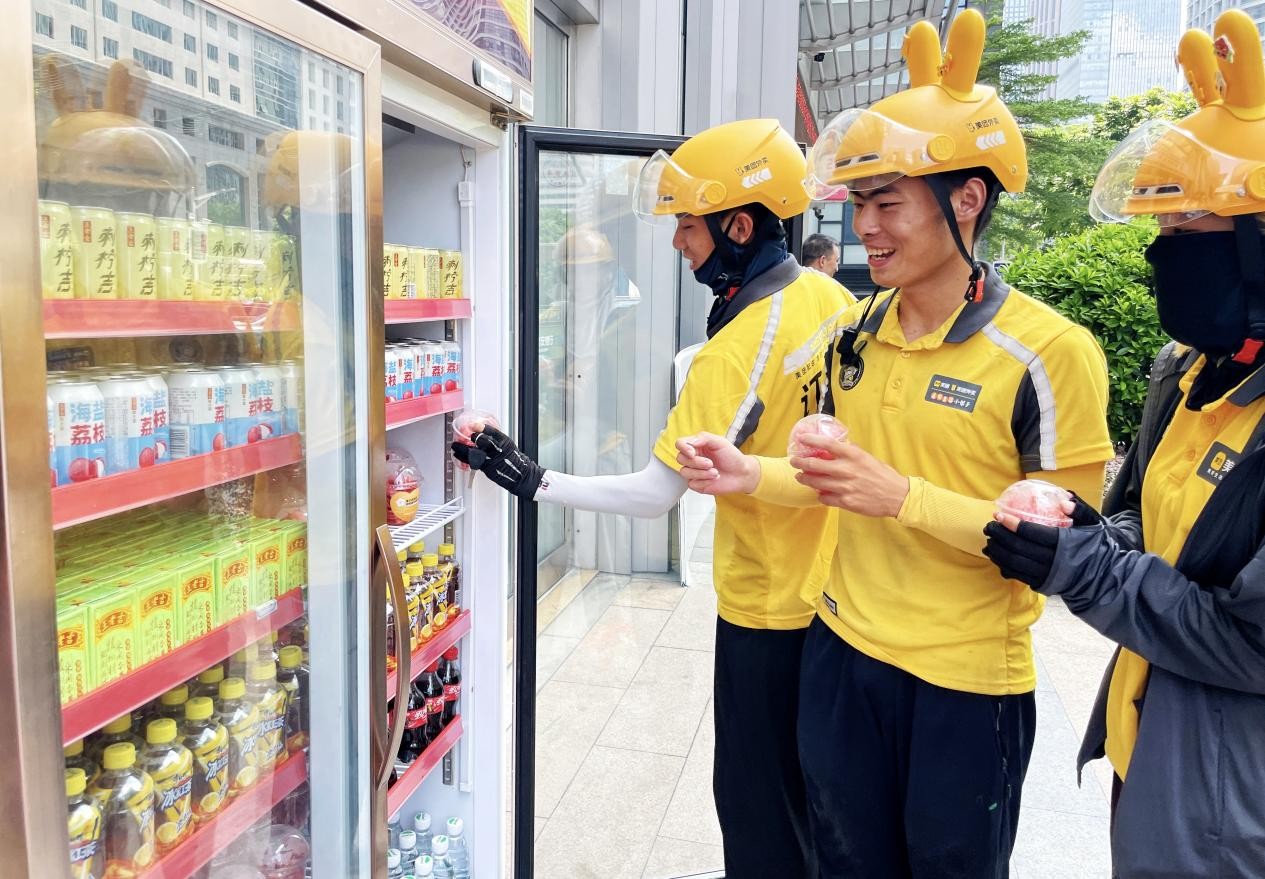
1213 161
944 121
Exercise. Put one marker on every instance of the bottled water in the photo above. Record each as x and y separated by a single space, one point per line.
441 865
394 870
408 850
393 833
424 869
421 827
458 854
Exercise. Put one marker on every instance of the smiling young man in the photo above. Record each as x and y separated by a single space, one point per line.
916 693
728 190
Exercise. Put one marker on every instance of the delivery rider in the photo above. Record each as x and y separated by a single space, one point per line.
1182 704
916 695
727 190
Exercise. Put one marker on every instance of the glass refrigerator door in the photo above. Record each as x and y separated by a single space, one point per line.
203 231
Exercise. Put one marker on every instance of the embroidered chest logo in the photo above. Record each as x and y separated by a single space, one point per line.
952 392
1219 461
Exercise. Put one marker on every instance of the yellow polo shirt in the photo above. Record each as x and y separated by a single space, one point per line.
1004 388
1197 450
751 382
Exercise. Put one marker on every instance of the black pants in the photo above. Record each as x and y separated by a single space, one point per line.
756 778
907 780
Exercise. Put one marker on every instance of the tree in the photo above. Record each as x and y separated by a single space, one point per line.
1115 119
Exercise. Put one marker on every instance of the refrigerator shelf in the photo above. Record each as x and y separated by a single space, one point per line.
408 311
95 710
82 502
409 411
238 816
428 520
413 777
125 318
430 652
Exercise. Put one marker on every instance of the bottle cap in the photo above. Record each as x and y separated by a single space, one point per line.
417 546
451 654
430 560
421 822
291 656
414 569
447 549
408 840
439 845
120 724
74 749
263 671
232 688
120 755
393 858
212 675
76 781
199 708
424 867
175 696
402 555
455 827
161 731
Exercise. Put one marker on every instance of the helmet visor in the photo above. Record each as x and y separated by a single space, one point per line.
665 189
863 150
1165 171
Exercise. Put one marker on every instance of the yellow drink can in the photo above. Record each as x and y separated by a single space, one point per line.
452 284
239 279
175 259
57 252
138 256
96 253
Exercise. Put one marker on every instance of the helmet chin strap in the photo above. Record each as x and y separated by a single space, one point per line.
975 286
1251 248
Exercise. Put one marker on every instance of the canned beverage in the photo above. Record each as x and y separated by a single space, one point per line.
175 259
57 250
407 371
129 423
261 285
434 367
283 262
406 274
268 402
96 256
238 277
292 377
162 411
138 256
78 430
451 286
215 285
239 403
200 257
430 274
452 365
392 374
416 358
197 411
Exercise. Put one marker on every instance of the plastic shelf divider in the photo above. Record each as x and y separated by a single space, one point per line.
95 710
430 652
413 777
122 318
407 311
409 411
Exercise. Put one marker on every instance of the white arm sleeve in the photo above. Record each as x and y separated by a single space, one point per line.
647 494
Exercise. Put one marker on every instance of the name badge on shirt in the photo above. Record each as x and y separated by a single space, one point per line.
1220 460
952 392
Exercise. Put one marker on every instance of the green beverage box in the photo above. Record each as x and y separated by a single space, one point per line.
112 647
74 669
234 569
196 593
157 612
267 556
294 535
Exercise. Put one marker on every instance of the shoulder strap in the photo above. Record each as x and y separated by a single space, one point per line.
763 286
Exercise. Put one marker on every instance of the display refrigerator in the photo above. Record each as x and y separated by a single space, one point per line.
195 560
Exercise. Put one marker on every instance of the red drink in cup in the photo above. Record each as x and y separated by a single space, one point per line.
1032 500
815 425
467 423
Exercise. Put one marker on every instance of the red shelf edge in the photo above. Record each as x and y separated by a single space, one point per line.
219 833
402 311
408 411
95 710
97 498
84 318
423 766
434 648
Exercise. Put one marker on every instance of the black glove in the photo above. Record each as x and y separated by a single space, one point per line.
1083 516
1026 555
496 456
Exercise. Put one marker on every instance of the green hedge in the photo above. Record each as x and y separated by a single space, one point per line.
1100 279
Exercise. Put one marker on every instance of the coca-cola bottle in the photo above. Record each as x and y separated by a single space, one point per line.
433 690
450 677
415 738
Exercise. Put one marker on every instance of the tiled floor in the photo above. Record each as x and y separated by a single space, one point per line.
625 739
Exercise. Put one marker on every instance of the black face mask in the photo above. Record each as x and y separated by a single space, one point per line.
722 269
1199 290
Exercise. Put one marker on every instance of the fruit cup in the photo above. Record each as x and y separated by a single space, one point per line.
815 425
1032 500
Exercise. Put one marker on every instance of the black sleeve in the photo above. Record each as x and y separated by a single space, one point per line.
1025 424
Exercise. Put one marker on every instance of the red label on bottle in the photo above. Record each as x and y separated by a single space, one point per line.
451 692
434 704
414 719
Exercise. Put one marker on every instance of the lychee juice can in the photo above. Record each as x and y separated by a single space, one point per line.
292 376
129 423
78 430
162 411
269 400
197 411
240 403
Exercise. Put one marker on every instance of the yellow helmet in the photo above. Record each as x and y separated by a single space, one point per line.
1213 161
725 167
944 121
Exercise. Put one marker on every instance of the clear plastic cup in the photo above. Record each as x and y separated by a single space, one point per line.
467 423
815 425
1032 500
